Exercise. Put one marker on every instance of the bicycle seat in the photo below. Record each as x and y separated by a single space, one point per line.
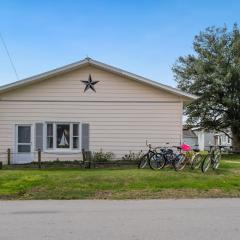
221 146
178 147
196 150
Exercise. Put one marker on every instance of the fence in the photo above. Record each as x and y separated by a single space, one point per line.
82 159
9 155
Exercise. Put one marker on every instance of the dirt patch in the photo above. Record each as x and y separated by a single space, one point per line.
8 197
11 196
136 194
233 162
165 194
236 171
31 193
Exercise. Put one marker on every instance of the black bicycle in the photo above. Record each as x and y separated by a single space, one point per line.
213 158
166 156
151 158
176 159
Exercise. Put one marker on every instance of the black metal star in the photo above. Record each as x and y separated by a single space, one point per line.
89 83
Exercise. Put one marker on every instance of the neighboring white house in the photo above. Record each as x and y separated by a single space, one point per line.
189 137
223 139
207 138
90 105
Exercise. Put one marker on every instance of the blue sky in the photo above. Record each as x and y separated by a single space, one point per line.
143 37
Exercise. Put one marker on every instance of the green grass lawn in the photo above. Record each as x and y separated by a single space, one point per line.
131 183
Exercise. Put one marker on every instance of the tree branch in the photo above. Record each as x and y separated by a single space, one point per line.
227 134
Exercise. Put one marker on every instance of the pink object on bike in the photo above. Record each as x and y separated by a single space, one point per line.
185 147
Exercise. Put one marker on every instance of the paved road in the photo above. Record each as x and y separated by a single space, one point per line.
150 219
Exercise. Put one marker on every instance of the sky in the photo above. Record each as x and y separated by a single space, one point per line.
144 37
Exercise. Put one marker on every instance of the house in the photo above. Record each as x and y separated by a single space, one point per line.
189 137
87 105
223 139
207 138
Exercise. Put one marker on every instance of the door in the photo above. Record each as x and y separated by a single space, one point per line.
24 152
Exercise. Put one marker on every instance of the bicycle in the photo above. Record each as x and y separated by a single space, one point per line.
166 156
196 159
151 158
212 159
181 159
160 159
192 157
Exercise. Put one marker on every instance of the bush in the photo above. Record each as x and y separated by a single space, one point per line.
132 156
102 156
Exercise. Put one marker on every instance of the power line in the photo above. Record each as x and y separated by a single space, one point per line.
9 56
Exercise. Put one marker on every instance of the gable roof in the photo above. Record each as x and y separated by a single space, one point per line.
188 132
90 61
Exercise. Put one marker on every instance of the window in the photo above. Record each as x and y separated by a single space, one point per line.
24 134
75 136
24 139
62 136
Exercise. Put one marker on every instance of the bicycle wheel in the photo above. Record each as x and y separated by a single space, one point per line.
180 162
157 161
196 161
206 163
216 160
143 161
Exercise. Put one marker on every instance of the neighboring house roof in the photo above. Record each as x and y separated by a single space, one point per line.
89 61
188 133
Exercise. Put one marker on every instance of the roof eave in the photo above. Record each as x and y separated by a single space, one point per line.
189 97
43 76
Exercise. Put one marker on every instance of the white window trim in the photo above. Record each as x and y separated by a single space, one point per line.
62 150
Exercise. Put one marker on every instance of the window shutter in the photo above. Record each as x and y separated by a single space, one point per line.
39 136
85 136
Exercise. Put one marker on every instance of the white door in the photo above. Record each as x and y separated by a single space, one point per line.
24 149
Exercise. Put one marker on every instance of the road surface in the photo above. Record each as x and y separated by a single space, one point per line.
141 219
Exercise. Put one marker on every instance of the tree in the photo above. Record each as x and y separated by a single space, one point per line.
212 72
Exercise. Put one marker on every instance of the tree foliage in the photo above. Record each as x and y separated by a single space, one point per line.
212 72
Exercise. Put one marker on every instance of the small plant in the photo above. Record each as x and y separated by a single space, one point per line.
132 156
102 156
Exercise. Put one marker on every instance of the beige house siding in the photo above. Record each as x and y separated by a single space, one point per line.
122 114
68 87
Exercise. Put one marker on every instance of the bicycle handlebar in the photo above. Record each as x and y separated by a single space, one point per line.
219 146
149 145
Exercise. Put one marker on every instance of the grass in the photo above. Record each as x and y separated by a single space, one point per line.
72 183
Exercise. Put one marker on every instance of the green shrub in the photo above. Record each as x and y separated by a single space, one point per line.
102 156
131 156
